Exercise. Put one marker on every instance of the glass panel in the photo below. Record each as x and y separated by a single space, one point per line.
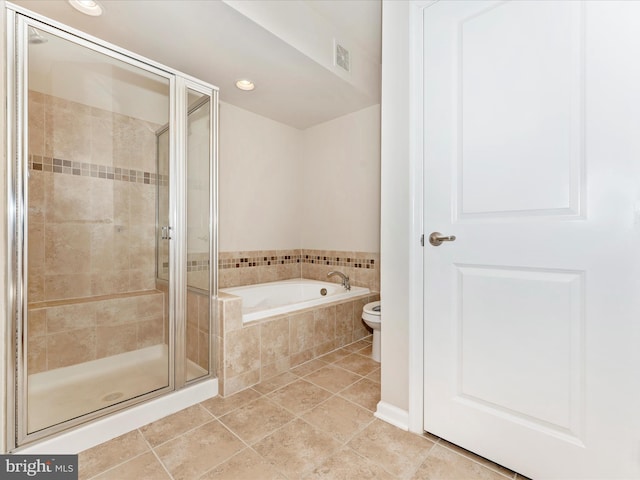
97 317
198 234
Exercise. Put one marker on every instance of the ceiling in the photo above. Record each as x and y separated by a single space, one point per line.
212 41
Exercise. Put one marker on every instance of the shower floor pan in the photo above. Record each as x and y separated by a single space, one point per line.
70 392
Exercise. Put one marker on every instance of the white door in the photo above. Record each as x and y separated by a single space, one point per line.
532 160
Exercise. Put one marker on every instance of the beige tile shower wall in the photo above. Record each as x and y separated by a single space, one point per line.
256 351
92 201
68 333
248 268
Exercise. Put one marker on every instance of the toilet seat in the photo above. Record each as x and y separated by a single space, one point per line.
371 312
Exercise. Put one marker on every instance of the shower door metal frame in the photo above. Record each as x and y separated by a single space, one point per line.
18 20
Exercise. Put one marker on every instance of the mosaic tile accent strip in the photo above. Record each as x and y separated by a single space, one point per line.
84 169
258 261
197 265
339 261
192 265
244 262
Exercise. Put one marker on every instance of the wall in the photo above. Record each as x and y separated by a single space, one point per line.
297 202
259 186
395 203
341 183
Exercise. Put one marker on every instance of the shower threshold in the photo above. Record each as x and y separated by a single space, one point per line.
65 393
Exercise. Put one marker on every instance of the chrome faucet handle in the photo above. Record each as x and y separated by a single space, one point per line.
345 278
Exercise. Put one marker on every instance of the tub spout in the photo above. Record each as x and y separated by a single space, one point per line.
345 279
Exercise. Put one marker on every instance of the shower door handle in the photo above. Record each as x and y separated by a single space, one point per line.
165 233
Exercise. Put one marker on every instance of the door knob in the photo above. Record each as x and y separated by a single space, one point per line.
436 239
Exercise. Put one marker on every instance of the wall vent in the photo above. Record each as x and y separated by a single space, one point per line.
341 57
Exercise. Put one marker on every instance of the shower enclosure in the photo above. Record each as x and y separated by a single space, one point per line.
113 162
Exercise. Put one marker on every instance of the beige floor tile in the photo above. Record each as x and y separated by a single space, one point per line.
476 458
198 451
146 466
296 448
339 417
109 454
333 378
366 351
445 464
276 382
358 364
245 465
374 376
256 420
299 396
365 393
173 425
219 406
355 346
399 452
348 465
335 355
308 367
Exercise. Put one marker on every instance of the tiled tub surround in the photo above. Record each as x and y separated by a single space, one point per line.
198 327
92 201
70 332
262 266
253 352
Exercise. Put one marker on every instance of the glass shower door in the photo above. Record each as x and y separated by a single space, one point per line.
95 310
199 237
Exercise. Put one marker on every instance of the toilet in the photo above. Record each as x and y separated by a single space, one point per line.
371 316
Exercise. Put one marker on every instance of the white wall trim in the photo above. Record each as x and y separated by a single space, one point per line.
393 415
416 251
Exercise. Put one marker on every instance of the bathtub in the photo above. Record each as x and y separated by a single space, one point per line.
275 298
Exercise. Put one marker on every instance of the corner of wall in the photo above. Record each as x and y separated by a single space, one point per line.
395 203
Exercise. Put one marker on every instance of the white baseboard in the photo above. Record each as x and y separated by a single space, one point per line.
393 415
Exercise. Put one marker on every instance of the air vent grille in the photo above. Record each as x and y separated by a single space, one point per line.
342 58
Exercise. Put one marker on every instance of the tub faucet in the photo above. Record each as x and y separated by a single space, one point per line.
345 279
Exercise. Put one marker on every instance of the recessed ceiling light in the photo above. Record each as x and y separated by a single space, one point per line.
245 85
88 7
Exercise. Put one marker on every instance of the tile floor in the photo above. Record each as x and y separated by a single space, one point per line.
314 422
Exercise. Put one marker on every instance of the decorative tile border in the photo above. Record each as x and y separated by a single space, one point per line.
257 261
192 265
307 256
84 169
197 265
339 261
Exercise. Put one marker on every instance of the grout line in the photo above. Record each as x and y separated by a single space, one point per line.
426 457
118 465
155 454
184 433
